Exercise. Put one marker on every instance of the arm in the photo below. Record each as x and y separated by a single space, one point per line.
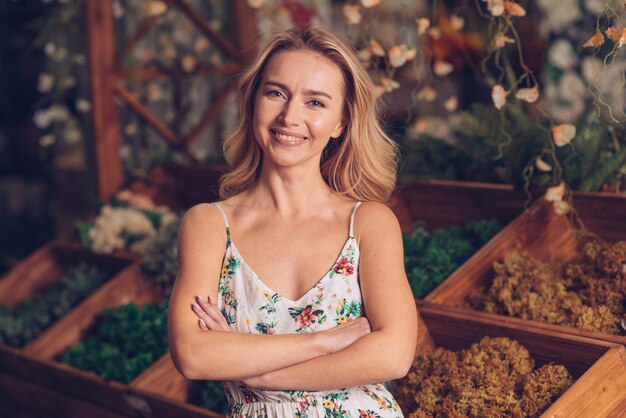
218 354
387 352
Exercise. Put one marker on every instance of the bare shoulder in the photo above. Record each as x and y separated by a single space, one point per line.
373 219
202 223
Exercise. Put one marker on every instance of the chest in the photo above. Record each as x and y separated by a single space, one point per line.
291 262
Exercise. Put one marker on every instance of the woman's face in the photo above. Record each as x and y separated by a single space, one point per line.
298 107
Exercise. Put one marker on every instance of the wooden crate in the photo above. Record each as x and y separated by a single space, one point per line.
38 360
545 236
167 392
599 367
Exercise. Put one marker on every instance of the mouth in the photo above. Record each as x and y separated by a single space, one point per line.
287 138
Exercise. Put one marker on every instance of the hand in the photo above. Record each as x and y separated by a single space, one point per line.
211 319
341 336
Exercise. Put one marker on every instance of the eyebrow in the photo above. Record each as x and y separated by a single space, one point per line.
308 92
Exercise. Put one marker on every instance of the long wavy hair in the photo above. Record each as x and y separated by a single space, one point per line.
361 163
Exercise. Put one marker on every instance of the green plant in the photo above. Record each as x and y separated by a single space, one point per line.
431 258
124 342
22 324
212 396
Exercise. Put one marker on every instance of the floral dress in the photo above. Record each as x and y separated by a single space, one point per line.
251 307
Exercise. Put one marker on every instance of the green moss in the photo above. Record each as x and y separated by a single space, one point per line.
124 343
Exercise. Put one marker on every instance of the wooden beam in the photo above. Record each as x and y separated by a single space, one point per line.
158 74
201 22
148 116
246 31
106 124
212 113
140 33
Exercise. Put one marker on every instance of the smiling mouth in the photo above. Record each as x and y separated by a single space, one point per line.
290 139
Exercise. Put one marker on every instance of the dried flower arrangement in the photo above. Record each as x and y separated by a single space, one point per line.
20 325
127 222
495 377
430 258
588 292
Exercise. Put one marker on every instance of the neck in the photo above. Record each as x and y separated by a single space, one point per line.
291 190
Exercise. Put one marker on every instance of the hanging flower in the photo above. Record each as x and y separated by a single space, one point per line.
528 95
501 40
422 25
498 95
555 193
542 165
451 104
155 8
595 41
514 9
426 94
46 82
457 22
561 207
400 54
442 68
563 134
352 14
189 63
256 4
376 48
613 34
370 3
495 7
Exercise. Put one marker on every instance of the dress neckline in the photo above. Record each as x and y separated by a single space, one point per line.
245 265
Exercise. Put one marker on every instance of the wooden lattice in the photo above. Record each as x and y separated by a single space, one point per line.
107 81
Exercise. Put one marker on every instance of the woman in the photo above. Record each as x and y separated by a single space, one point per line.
307 154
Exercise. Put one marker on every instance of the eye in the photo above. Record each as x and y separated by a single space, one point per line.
316 103
274 93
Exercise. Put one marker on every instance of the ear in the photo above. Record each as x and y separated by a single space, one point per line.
336 133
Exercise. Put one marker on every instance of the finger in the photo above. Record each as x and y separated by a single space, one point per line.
213 311
221 320
205 317
202 325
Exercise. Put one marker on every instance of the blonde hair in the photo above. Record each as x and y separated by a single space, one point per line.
361 163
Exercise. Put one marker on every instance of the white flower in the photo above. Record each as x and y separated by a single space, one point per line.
561 54
72 134
107 231
49 48
498 95
46 82
67 82
566 100
595 6
42 118
559 14
83 105
47 140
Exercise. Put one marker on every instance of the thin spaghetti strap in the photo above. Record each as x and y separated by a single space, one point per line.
356 206
217 205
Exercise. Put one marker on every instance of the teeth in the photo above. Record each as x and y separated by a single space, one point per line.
288 138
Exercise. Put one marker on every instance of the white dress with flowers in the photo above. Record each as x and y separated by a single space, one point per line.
250 307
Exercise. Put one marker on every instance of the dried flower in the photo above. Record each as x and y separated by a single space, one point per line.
370 3
46 82
457 22
561 207
528 95
376 48
256 4
501 40
397 57
613 34
389 84
542 165
514 9
498 95
189 63
555 193
495 7
352 13
426 94
451 104
155 8
442 68
563 134
595 41
422 25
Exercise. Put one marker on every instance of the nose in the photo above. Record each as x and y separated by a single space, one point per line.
290 115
